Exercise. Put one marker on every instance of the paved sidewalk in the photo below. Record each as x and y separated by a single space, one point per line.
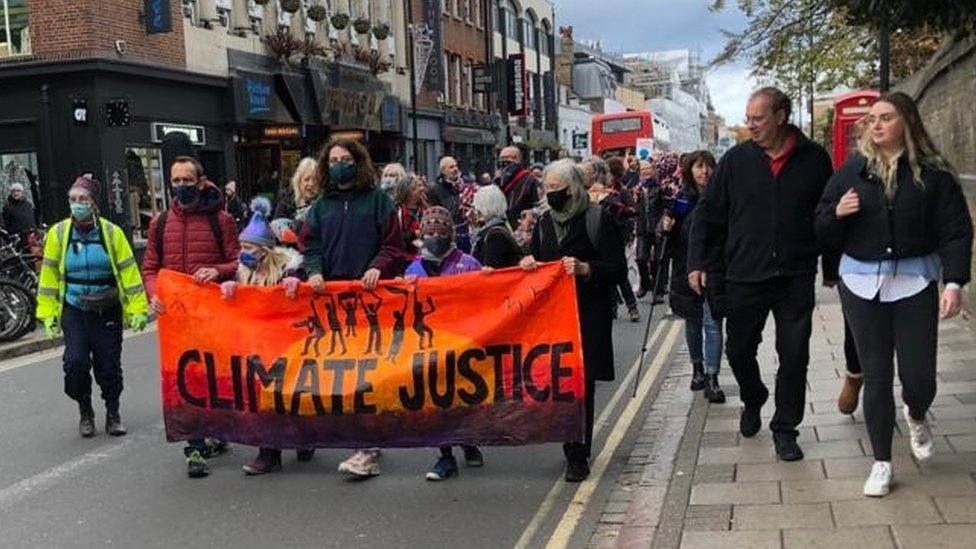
723 490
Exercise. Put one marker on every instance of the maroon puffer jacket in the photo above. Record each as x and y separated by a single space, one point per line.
189 242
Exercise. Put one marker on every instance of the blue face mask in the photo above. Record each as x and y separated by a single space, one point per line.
186 194
81 211
249 259
342 174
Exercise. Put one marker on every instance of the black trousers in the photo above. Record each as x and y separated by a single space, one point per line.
850 350
92 341
574 450
626 293
645 245
909 328
791 300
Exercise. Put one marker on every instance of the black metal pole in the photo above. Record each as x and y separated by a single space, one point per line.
884 53
489 62
408 18
663 244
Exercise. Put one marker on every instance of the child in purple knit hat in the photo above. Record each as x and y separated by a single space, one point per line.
439 256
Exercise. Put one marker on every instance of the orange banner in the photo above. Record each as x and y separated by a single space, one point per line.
479 358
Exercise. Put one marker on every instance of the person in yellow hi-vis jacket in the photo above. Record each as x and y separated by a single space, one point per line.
90 284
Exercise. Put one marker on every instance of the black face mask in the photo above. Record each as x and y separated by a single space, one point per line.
558 199
502 164
186 194
438 246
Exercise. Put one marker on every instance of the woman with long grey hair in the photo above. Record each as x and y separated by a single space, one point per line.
590 247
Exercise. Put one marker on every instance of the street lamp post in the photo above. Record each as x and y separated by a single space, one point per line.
408 17
884 47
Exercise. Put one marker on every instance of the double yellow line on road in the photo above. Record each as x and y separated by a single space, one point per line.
584 491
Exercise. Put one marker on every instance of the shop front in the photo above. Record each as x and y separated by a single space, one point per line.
470 138
59 120
282 115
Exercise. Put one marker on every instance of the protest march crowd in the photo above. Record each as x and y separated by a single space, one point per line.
725 242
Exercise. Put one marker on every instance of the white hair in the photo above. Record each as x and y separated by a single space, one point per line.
490 201
567 171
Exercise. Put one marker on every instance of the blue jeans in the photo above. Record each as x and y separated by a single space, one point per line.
708 329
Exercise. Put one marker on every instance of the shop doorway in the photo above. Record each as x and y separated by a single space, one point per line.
21 167
147 189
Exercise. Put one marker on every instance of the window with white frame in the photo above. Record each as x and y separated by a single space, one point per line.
511 20
476 13
14 28
466 10
447 78
456 81
466 84
528 32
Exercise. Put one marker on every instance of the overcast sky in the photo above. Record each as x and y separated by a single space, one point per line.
627 26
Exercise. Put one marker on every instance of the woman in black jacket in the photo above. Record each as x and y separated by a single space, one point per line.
900 219
594 254
493 244
703 332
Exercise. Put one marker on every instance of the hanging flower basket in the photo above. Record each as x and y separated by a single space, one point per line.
291 6
317 13
361 25
381 31
340 21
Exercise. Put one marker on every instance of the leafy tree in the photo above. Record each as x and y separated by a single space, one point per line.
948 16
806 45
801 45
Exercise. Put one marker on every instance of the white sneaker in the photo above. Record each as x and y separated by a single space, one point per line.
362 463
920 436
878 483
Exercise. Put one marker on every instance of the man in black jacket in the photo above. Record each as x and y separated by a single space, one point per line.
448 192
757 226
521 188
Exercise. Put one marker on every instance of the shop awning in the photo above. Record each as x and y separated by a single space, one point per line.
298 96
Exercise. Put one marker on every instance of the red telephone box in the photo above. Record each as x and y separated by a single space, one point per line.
848 109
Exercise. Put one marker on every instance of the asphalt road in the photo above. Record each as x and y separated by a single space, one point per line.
58 490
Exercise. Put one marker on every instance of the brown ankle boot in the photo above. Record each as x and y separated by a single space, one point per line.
850 393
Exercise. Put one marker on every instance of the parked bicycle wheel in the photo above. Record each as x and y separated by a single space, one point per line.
17 306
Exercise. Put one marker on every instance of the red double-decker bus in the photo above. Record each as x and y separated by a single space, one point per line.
618 133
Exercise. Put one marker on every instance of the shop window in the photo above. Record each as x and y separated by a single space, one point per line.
20 168
14 28
147 190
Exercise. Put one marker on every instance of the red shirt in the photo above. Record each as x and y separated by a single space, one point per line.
776 163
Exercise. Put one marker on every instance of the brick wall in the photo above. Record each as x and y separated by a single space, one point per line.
945 90
61 28
459 37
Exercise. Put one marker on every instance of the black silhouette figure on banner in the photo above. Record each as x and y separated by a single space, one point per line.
419 314
315 330
372 311
332 314
349 301
399 323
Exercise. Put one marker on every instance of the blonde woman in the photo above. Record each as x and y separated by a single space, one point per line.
305 188
391 174
899 216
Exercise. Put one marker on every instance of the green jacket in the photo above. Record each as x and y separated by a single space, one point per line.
52 286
